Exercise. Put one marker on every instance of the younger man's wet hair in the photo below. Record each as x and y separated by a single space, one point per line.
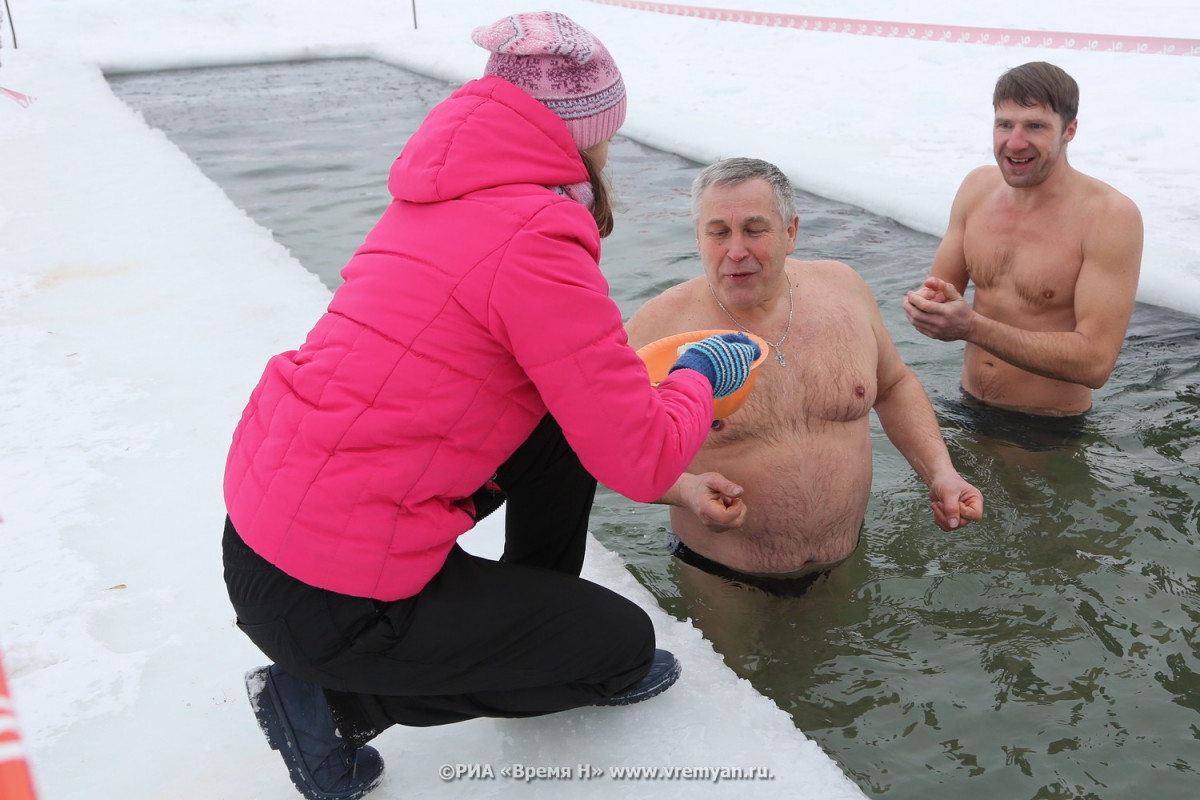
1039 83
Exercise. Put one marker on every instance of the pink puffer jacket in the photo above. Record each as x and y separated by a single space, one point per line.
475 306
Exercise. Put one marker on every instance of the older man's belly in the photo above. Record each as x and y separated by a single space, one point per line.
805 499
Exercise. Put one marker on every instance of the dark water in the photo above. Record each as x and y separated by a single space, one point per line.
1051 651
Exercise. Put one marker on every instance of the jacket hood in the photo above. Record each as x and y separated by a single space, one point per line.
487 133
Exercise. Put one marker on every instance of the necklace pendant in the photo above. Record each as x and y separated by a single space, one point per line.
779 357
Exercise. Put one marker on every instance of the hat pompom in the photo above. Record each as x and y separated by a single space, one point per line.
542 34
561 64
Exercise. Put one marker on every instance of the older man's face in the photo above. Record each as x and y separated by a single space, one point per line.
743 241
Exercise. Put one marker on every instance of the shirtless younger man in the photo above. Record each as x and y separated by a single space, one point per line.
782 485
1054 255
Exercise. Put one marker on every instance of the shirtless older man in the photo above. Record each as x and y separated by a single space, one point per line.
1054 256
781 486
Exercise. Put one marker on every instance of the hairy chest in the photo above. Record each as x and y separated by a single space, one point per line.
1033 260
828 379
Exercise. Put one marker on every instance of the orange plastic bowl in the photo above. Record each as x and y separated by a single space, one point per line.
661 355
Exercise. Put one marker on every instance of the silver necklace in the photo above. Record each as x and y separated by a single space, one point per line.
778 353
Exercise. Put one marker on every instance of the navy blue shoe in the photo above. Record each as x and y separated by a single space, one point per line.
663 672
298 723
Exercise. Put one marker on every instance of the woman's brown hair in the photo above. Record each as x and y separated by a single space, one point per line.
601 202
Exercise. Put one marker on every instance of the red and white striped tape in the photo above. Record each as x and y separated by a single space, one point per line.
1008 37
16 782
23 100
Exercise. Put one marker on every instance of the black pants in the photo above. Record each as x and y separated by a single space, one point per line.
1033 432
792 586
518 637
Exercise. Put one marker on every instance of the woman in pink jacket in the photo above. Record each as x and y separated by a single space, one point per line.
471 358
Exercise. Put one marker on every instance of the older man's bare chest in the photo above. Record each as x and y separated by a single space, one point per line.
828 378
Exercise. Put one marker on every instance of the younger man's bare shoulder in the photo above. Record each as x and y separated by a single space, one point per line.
978 185
1108 201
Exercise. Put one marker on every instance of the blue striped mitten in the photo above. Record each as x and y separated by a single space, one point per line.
725 360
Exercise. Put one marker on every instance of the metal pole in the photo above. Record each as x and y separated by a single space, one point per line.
12 27
414 8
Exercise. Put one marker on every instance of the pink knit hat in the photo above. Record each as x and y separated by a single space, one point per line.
563 66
